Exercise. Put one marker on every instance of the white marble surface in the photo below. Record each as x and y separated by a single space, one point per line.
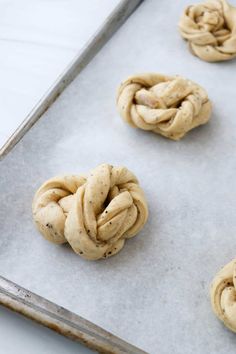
155 293
38 39
21 336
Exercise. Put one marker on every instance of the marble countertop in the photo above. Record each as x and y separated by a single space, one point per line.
38 39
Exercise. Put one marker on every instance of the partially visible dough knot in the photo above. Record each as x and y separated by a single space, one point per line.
168 105
95 214
210 29
223 295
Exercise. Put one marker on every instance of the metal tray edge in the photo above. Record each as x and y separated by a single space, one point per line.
23 301
61 320
112 23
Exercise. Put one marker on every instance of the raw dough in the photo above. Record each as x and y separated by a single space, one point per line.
223 295
210 29
168 105
95 214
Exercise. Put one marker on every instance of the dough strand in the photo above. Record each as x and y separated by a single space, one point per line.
167 105
223 295
95 214
210 29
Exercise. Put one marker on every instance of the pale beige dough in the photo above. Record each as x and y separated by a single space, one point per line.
95 214
223 295
167 105
210 29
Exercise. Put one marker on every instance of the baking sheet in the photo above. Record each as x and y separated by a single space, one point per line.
154 293
112 22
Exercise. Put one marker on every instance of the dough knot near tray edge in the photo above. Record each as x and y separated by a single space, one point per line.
95 214
167 105
223 295
210 29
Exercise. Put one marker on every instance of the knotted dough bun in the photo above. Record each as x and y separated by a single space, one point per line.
223 295
210 29
95 214
167 105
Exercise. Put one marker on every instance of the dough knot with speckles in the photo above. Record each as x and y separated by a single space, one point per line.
210 29
223 295
95 214
167 105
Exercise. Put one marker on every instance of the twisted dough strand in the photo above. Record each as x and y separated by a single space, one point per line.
167 105
223 295
94 214
210 29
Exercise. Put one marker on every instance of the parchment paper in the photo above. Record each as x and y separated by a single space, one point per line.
155 292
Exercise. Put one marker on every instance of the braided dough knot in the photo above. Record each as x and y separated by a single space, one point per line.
170 106
210 29
94 213
223 295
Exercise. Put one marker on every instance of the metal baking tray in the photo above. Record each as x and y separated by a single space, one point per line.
121 12
154 294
